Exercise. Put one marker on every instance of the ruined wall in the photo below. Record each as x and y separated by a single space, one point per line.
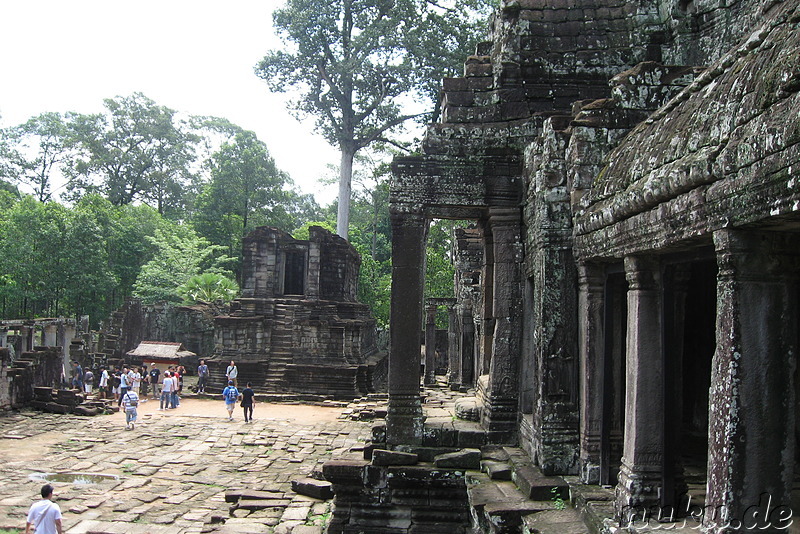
135 322
41 367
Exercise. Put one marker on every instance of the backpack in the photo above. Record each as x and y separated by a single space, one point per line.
231 394
132 402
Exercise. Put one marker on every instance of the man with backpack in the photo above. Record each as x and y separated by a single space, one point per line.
131 402
231 395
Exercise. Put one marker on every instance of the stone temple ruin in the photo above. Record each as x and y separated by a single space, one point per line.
298 328
627 297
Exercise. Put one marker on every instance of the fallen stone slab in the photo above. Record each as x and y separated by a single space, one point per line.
565 521
386 457
538 486
463 459
509 514
261 504
496 470
236 495
319 489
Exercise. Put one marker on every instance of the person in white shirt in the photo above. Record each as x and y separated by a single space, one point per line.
104 383
131 401
45 515
232 373
136 377
166 391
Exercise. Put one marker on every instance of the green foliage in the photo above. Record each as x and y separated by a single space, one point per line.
303 233
137 151
32 152
53 261
558 502
352 61
180 255
246 190
209 287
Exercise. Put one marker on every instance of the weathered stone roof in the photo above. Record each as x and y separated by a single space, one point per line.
738 122
160 350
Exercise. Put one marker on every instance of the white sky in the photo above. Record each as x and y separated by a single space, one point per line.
196 57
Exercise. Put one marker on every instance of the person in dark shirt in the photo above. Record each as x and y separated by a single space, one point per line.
247 403
155 373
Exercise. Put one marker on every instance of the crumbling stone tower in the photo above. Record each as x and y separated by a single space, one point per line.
632 170
298 327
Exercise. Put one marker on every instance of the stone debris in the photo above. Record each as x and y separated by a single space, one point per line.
463 459
311 487
385 457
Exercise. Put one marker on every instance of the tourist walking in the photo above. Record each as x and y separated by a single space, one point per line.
230 394
115 383
136 378
248 400
166 392
154 374
131 402
202 376
79 375
45 515
124 385
232 373
181 370
104 383
88 381
145 383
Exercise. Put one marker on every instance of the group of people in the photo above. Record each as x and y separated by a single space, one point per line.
247 396
126 384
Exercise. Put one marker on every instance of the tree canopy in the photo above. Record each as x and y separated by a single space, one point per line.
352 62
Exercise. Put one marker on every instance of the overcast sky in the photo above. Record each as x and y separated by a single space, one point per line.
196 57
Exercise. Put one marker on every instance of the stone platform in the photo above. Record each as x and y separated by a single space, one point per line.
175 468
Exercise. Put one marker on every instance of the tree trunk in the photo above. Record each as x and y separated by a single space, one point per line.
345 177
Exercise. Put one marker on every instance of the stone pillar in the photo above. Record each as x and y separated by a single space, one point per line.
313 271
3 337
430 344
453 349
404 415
28 337
499 417
643 449
591 348
467 346
752 399
49 335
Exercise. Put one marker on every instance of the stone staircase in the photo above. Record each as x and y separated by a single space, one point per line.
510 495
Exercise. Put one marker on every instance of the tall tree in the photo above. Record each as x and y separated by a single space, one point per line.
32 152
246 190
137 151
352 61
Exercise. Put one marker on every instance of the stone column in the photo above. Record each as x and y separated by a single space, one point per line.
500 414
591 349
430 344
643 449
467 346
752 399
3 337
453 349
404 415
49 335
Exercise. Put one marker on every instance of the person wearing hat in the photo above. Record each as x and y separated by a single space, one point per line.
231 395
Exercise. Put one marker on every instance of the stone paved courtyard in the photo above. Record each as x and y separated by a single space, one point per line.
175 467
